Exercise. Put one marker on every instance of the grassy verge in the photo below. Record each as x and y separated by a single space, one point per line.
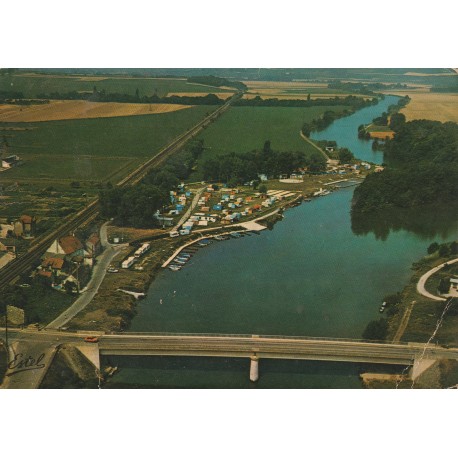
426 312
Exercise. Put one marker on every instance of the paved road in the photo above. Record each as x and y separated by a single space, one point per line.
270 347
98 274
421 283
185 217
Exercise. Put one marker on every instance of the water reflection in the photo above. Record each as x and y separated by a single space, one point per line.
426 222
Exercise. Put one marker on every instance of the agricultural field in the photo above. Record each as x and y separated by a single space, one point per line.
243 129
32 84
81 109
432 105
291 90
91 149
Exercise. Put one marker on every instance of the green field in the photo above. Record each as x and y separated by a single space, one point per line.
30 86
243 129
93 149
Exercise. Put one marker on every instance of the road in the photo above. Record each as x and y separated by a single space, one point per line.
185 217
98 274
423 279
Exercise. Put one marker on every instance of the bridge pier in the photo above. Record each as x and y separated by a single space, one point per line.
254 368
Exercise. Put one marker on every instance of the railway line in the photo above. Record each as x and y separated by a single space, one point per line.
15 268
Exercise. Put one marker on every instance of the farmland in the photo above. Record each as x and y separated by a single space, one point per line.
291 90
244 129
32 85
81 109
430 105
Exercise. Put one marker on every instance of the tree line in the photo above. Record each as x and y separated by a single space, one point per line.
352 101
102 96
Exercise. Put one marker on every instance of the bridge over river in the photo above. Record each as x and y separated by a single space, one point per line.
256 347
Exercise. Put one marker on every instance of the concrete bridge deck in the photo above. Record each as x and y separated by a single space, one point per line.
419 356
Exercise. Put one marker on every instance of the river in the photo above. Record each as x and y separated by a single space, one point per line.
314 274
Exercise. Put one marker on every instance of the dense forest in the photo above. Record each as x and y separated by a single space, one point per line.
136 206
422 168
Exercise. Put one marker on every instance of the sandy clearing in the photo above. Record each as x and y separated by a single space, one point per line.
381 135
435 106
221 95
81 109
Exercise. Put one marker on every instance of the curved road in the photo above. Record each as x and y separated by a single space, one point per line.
421 283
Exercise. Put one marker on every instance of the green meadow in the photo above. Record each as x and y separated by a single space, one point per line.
243 129
30 86
92 149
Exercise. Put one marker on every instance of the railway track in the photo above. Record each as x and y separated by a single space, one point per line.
15 268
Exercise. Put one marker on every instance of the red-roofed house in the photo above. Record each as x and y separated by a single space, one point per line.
93 245
69 246
25 226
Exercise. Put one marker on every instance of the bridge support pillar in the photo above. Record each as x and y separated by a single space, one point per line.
254 368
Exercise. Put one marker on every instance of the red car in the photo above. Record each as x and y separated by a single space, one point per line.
91 339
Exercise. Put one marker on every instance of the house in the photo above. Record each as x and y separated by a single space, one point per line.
25 226
93 245
10 161
164 221
52 265
69 246
8 245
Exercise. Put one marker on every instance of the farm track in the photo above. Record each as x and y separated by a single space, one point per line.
20 265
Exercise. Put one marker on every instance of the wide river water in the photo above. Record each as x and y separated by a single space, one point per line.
312 275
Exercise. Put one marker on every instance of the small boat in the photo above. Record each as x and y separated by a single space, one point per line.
178 261
184 255
182 259
219 237
174 267
236 235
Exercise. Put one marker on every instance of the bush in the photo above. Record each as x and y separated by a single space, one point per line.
376 330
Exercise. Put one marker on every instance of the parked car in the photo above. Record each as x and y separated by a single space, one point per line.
91 339
112 270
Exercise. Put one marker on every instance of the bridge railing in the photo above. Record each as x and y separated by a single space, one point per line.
250 336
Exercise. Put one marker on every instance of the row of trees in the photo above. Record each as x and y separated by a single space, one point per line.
351 101
321 123
103 96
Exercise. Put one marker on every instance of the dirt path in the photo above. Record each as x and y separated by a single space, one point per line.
315 146
403 324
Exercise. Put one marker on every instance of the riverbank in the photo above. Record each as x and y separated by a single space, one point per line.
416 317
112 310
